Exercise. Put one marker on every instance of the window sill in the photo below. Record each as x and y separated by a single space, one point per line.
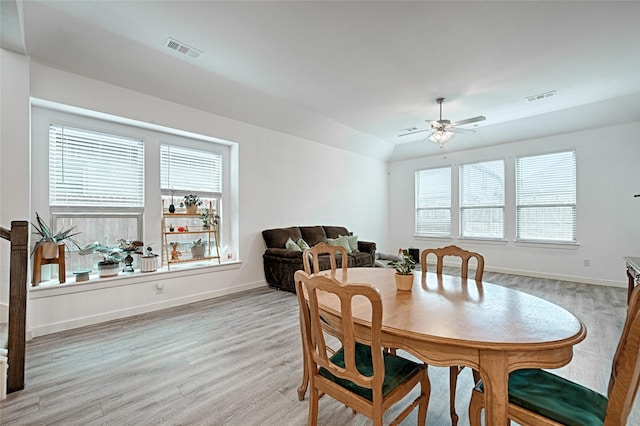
547 244
47 288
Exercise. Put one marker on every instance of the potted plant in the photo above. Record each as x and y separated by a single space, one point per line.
197 249
111 258
191 203
209 218
404 267
49 241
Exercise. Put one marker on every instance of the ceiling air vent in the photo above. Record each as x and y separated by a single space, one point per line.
540 96
178 46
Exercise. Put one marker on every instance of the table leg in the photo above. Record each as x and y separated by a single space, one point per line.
493 369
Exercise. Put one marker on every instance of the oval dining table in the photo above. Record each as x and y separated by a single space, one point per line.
445 321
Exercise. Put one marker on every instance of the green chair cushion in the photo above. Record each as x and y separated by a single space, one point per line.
396 371
556 398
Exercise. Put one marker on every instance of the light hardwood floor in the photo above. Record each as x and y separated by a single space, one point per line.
236 360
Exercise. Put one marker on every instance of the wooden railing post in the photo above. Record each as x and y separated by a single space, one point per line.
17 304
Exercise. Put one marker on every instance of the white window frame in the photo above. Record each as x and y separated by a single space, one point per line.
570 201
44 113
439 206
483 204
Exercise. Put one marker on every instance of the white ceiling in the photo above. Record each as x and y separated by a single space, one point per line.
354 74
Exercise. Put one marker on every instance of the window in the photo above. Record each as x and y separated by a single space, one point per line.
433 202
192 171
546 197
96 183
482 200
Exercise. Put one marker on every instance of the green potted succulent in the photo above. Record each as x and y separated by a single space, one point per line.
209 218
111 258
198 248
191 203
404 267
50 241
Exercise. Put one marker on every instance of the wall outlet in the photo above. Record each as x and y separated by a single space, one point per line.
586 262
159 287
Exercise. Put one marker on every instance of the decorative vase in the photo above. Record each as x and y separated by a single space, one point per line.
172 208
192 209
197 252
404 282
108 269
149 263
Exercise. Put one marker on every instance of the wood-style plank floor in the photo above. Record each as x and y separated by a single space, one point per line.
236 360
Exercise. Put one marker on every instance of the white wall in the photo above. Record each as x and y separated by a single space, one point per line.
14 155
283 181
608 216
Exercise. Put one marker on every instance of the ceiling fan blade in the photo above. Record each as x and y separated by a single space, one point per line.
468 120
411 133
460 131
428 135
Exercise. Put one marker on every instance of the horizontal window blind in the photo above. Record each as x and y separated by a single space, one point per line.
482 203
546 197
93 169
433 202
190 170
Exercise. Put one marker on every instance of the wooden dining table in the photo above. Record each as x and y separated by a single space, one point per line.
445 321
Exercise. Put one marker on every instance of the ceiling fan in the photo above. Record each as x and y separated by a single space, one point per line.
442 130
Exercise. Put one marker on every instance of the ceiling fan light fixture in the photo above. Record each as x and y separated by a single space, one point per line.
441 136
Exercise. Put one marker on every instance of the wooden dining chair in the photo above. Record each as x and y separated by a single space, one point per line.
360 374
538 397
311 256
465 256
314 253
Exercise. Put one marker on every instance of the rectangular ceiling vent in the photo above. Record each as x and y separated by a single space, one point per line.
180 47
540 96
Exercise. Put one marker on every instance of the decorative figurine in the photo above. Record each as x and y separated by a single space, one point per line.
175 253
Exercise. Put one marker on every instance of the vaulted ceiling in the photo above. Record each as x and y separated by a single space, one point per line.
370 69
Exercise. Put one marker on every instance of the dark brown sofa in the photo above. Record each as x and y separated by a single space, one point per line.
281 264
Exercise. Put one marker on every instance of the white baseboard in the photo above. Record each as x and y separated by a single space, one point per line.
136 310
571 278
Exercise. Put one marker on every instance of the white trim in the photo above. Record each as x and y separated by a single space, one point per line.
136 310
560 277
54 288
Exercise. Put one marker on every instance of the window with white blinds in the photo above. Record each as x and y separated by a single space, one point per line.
433 202
186 170
546 197
92 169
482 200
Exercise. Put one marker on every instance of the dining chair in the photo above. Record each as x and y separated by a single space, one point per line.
465 256
313 254
538 397
360 375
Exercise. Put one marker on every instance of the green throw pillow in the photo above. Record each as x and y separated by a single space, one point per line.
302 244
340 242
353 242
291 245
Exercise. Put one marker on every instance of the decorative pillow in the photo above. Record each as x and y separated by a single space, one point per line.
291 245
353 242
340 242
302 244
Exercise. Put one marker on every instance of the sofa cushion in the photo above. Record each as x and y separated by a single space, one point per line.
313 235
277 238
302 244
340 242
360 258
292 245
353 241
335 231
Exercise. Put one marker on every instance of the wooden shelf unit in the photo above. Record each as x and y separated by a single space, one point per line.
180 219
